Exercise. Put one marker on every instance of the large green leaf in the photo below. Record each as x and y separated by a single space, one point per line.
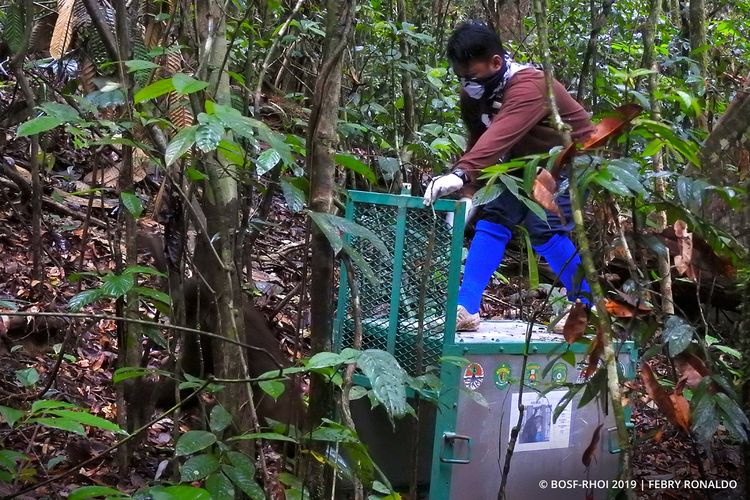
84 298
38 125
207 136
10 415
219 419
132 204
27 376
153 294
60 423
333 225
273 388
734 419
388 380
117 285
180 143
156 89
185 84
87 492
266 161
87 419
178 492
245 481
677 334
356 165
487 193
294 196
140 65
193 441
273 436
220 487
48 404
198 467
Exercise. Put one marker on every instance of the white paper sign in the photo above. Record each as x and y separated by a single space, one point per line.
537 430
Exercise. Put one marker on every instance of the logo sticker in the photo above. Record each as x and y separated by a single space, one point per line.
502 375
473 376
559 373
533 373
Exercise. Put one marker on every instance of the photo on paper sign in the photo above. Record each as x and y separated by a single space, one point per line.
538 431
537 423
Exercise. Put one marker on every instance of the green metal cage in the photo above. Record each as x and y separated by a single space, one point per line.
426 250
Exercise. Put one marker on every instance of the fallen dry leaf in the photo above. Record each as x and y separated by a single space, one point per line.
575 326
668 405
590 450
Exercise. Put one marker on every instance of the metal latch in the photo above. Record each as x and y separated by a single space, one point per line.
449 439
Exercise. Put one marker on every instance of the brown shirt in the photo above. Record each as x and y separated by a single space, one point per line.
522 126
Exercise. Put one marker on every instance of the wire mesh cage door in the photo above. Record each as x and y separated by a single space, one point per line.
408 303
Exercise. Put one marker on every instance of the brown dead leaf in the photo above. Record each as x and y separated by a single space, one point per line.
595 353
590 451
692 369
544 190
619 309
576 323
668 405
611 126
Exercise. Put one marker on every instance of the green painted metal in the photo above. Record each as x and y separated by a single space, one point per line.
398 269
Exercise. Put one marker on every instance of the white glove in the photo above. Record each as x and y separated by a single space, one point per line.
470 210
440 186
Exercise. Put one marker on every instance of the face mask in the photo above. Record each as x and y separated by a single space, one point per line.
476 88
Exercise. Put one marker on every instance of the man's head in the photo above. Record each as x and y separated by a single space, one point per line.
475 51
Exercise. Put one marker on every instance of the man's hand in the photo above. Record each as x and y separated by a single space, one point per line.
440 186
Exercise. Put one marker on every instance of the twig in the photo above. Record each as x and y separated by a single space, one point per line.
148 323
113 447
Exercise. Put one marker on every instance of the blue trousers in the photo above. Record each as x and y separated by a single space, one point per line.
549 239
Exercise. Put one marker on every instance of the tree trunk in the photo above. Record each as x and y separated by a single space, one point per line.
697 16
321 148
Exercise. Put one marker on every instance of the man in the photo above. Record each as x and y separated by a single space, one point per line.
504 107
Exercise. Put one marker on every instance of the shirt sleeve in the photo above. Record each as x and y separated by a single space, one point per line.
524 106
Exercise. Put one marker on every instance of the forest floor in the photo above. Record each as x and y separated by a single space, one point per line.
85 374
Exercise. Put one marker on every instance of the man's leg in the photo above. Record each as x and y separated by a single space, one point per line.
486 252
550 240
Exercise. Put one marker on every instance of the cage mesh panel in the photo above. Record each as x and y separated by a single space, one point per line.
375 299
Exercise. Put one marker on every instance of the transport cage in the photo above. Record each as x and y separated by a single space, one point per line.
425 249
462 444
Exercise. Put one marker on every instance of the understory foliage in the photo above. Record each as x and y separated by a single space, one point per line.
217 108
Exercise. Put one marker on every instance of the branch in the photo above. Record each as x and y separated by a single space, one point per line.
103 29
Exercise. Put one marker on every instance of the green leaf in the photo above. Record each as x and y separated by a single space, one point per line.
705 418
85 418
626 177
219 419
324 360
194 174
140 65
60 423
357 392
208 136
185 84
728 350
180 143
388 167
244 482
9 459
198 467
294 196
27 376
349 227
84 298
734 419
156 89
117 285
38 125
678 334
155 335
487 193
86 492
355 165
128 372
193 441
273 388
329 230
569 357
132 203
152 293
266 161
48 404
361 263
10 415
273 436
179 492
147 270
388 380
531 260
242 462
220 487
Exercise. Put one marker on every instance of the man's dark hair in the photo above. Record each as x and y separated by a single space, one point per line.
473 40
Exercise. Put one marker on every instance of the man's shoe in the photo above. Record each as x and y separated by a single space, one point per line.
466 322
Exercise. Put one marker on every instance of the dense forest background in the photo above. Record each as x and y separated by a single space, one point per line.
172 176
